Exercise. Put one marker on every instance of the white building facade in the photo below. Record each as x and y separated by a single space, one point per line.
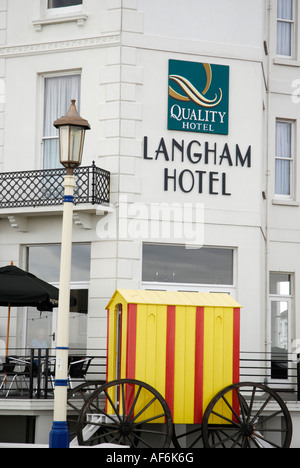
193 108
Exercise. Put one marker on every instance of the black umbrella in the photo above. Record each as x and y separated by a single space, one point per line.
20 288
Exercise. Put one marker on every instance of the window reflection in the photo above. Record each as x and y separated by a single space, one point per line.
63 3
177 264
44 262
280 289
280 284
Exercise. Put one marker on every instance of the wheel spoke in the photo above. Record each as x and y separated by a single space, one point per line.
148 420
134 403
256 435
144 409
251 403
189 433
243 405
221 416
112 404
136 436
268 418
123 400
256 416
226 439
236 442
231 409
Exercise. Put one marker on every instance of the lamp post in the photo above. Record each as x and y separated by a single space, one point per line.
71 140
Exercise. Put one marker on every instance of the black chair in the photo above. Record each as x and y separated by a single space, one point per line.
9 371
78 367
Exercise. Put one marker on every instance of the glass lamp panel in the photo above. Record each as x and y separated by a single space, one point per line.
64 144
76 144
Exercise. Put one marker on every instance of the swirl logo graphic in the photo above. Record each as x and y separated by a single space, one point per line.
192 94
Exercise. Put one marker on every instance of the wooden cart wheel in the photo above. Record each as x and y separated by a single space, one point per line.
75 400
125 412
247 415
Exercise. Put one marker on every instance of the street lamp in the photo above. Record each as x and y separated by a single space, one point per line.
71 139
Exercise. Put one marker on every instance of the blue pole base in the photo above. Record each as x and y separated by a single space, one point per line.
59 435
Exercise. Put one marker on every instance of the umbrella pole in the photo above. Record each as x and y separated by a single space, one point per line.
8 323
7 332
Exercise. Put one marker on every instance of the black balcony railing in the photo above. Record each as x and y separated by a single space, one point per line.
44 187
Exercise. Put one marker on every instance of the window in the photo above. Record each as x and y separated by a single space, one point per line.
280 322
44 262
60 11
63 3
285 27
166 263
58 93
284 159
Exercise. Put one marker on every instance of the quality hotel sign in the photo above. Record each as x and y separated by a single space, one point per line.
198 97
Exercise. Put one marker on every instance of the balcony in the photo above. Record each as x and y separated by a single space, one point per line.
27 193
44 187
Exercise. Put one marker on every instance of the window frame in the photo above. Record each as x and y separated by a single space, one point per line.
75 284
195 287
293 34
60 11
69 6
44 76
291 159
50 16
289 298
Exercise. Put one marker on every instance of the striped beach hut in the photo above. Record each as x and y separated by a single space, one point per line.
186 345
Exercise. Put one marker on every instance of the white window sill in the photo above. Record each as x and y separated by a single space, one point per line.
286 61
283 202
79 18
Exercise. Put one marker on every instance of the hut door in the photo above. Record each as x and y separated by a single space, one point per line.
118 342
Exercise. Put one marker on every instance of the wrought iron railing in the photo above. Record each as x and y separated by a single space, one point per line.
44 187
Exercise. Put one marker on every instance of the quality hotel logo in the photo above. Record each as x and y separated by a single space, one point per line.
198 97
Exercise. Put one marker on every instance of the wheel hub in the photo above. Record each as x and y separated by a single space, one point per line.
125 428
248 430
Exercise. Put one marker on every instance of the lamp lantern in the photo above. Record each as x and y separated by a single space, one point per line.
72 130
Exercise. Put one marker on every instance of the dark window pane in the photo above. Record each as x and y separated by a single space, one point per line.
176 264
63 3
81 296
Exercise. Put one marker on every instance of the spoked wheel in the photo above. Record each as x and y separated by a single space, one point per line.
125 412
247 415
76 398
